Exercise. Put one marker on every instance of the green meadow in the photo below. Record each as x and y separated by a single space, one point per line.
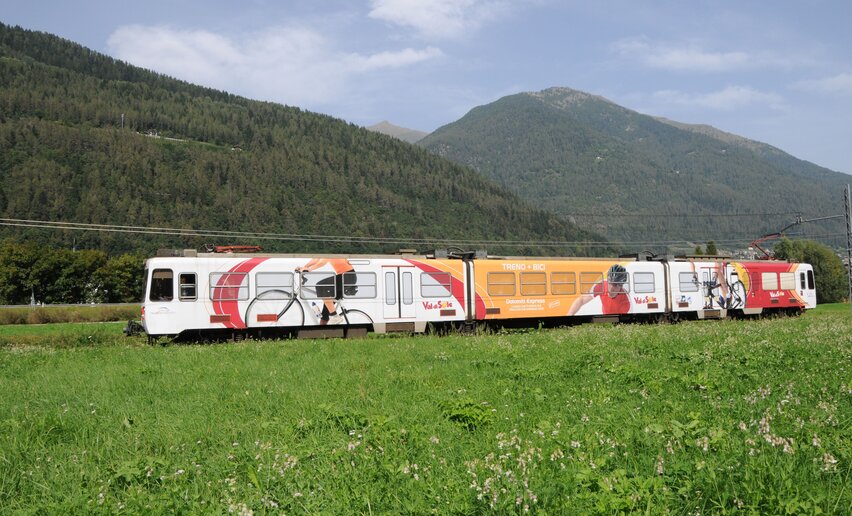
699 417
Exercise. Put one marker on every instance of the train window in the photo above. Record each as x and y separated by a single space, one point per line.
390 288
533 284
162 285
769 280
810 280
187 286
359 285
788 281
319 285
588 280
802 281
643 282
501 283
688 282
229 286
563 283
436 284
407 288
274 285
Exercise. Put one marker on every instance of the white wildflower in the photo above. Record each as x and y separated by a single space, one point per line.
829 462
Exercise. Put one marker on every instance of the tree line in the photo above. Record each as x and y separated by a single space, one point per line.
33 273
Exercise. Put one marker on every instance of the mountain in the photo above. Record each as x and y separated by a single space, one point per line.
406 135
635 177
89 139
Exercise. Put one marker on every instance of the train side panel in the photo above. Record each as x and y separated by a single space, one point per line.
719 288
690 288
524 289
185 294
779 286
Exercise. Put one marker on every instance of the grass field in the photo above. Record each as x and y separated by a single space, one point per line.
699 417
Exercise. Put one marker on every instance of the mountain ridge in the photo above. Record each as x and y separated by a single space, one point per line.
583 156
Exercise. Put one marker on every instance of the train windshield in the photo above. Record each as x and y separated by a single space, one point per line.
162 285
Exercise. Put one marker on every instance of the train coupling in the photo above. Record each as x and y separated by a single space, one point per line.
133 328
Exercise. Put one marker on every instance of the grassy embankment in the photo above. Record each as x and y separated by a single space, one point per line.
64 314
704 416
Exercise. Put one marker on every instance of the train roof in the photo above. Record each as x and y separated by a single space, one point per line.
428 255
444 254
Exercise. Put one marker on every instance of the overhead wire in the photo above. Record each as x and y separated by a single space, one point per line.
184 232
680 215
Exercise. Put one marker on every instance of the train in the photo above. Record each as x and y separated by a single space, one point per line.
195 295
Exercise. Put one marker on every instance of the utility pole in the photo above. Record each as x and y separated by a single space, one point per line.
848 205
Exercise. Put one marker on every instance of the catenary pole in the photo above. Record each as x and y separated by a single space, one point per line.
848 205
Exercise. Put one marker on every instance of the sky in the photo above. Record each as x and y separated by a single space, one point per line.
776 71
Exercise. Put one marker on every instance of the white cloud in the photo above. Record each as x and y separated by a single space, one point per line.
727 99
839 84
696 60
293 65
189 53
398 59
691 57
438 18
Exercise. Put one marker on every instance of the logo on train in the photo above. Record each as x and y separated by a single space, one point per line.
644 300
437 305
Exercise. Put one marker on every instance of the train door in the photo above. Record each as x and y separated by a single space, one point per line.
160 312
736 289
399 292
807 289
710 287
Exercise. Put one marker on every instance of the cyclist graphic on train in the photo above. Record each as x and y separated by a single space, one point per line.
613 293
710 288
722 286
736 291
330 289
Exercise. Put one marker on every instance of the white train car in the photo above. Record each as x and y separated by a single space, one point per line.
265 295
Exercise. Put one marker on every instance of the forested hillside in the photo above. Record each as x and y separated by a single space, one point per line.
635 177
86 138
